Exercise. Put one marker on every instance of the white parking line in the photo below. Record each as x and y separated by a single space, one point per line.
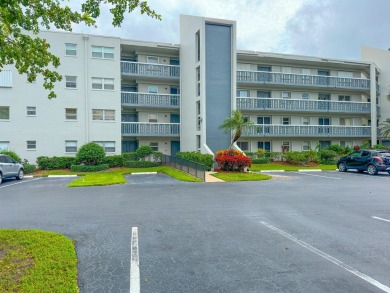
316 175
329 258
20 182
134 262
381 219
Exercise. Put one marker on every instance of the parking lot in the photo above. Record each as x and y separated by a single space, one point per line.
299 232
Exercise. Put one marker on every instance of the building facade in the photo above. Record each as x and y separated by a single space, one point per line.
123 94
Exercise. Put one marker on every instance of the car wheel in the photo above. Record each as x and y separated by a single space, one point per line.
342 167
20 175
371 169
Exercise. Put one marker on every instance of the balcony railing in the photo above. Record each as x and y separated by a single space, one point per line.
308 131
150 100
302 105
150 70
150 129
291 79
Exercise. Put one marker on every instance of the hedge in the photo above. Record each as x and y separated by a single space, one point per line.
130 156
196 157
29 168
261 161
54 163
141 164
114 161
86 168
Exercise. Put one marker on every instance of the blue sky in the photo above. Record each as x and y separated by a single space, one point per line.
322 28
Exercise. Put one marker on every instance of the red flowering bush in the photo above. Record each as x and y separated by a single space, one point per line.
232 160
356 148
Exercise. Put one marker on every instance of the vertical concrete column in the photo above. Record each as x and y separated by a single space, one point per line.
374 114
87 110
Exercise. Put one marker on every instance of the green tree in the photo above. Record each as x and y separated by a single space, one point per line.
21 21
236 124
385 128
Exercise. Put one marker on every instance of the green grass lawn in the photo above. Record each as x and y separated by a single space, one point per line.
37 261
265 167
236 176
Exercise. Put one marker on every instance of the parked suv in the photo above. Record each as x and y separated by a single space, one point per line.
10 168
372 161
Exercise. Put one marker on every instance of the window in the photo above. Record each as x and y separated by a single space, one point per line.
286 95
265 145
285 146
6 78
71 146
31 145
102 114
198 142
264 68
152 118
153 89
109 146
243 145
70 82
345 98
324 97
264 94
103 52
70 114
4 145
346 143
31 111
198 81
197 46
199 118
154 146
4 113
243 93
346 121
305 71
305 96
70 49
99 83
152 60
305 120
306 145
286 120
323 72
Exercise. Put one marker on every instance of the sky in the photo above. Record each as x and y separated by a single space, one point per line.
321 28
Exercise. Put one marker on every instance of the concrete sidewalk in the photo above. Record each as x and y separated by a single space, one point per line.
210 178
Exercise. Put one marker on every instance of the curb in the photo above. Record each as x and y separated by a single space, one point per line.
310 170
143 173
271 171
61 176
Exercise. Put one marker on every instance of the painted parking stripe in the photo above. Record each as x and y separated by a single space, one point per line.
21 182
316 175
134 262
329 258
381 219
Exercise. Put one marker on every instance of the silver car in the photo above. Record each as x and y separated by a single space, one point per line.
10 168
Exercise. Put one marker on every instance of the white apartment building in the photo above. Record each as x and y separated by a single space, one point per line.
124 93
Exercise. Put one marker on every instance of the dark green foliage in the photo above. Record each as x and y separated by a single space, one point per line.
86 168
130 156
141 164
90 154
12 154
296 158
312 156
261 161
55 163
114 161
328 156
196 157
29 168
144 151
157 156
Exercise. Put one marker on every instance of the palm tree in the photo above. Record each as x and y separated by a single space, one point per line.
235 124
385 128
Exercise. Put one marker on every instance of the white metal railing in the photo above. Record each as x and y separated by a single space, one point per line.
308 130
280 78
150 69
302 105
150 100
150 129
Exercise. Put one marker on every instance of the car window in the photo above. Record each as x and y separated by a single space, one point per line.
365 153
9 160
2 159
355 154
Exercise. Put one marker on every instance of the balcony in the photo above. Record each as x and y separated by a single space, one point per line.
150 70
303 105
260 130
301 80
133 99
150 129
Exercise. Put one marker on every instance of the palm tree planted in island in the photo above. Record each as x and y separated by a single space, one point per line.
233 160
385 128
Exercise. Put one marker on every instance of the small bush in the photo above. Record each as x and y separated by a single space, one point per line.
327 156
261 161
296 158
55 163
141 164
86 168
12 154
261 153
29 168
157 156
232 160
130 156
114 161
90 154
204 159
311 156
144 151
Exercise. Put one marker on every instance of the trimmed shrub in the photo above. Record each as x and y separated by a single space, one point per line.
29 168
114 161
55 163
260 153
311 156
232 160
12 154
196 157
327 156
87 168
296 158
141 164
130 156
261 161
144 151
90 154
157 156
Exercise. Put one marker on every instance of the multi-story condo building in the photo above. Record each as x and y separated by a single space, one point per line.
124 94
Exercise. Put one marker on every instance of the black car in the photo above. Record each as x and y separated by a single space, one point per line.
10 168
372 161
